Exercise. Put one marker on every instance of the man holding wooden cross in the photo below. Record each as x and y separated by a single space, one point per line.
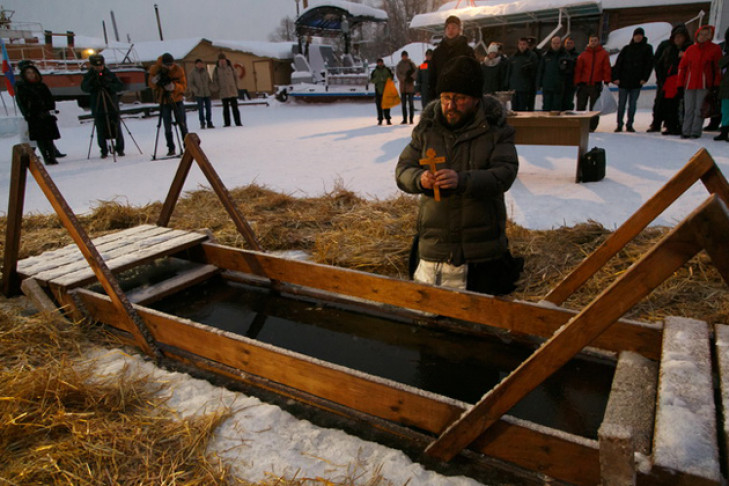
462 160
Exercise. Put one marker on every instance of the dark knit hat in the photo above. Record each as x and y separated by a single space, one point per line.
167 59
96 60
462 75
639 31
453 20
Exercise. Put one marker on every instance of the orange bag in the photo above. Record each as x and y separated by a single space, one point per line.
390 97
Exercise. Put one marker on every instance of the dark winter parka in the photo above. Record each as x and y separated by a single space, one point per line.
724 66
95 83
405 72
444 52
494 74
422 81
634 64
36 105
522 72
468 223
551 73
567 64
667 63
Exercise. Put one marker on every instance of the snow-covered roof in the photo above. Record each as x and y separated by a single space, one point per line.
354 9
499 12
655 32
275 50
151 50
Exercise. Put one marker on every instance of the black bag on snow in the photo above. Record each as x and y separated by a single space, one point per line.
592 165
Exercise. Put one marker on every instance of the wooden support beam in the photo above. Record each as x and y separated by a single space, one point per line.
193 151
172 285
18 175
700 167
516 316
175 189
91 254
657 265
537 448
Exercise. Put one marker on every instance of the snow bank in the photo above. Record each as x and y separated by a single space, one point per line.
259 440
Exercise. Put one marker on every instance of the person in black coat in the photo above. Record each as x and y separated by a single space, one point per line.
453 45
104 87
494 68
631 71
422 79
522 76
668 99
551 74
567 65
38 108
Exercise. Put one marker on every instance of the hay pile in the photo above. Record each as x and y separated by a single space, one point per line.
342 229
58 426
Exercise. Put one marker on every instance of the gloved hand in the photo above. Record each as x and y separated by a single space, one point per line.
170 86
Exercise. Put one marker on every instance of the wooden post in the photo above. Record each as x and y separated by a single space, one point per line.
110 284
431 160
18 175
193 151
656 266
700 167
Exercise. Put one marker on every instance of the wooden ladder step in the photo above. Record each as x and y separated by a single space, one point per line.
627 427
158 291
685 444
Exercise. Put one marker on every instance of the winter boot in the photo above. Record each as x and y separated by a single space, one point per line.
47 152
57 152
724 134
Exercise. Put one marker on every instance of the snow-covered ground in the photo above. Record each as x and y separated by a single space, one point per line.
307 149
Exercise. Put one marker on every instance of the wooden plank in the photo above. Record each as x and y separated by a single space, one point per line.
123 260
69 259
175 189
627 426
645 275
40 299
516 316
192 143
685 444
557 454
102 272
713 234
16 198
699 165
170 286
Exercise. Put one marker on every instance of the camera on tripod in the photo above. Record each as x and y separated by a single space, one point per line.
163 79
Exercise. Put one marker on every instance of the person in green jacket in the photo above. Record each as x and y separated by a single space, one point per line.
104 87
379 78
461 226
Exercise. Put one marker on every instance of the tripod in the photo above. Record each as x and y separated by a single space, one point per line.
178 123
104 98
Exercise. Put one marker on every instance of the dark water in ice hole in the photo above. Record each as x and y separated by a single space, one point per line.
453 365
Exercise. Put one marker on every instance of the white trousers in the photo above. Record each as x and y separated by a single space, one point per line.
441 274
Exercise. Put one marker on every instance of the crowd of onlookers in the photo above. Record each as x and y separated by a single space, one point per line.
690 74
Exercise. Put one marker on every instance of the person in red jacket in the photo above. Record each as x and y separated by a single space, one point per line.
591 71
698 72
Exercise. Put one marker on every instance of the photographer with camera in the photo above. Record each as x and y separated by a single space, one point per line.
38 108
104 87
168 82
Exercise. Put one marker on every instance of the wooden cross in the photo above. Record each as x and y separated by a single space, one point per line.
431 160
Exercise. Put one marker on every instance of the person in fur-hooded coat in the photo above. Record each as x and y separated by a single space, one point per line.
38 108
462 238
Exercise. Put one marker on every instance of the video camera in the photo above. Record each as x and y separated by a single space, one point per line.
163 79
